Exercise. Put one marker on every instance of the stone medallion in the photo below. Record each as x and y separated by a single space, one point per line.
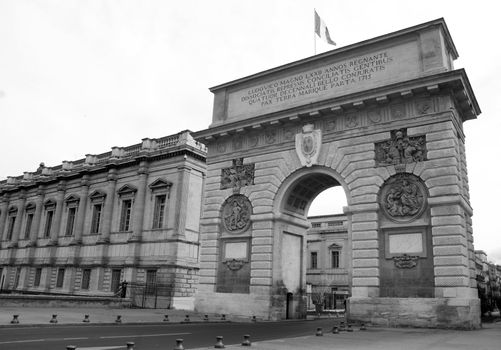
403 198
236 213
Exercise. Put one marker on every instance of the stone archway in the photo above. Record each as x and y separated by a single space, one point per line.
291 205
382 118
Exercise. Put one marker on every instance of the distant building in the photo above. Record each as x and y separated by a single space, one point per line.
488 283
328 261
86 226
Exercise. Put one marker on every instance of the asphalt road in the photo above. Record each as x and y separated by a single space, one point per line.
152 336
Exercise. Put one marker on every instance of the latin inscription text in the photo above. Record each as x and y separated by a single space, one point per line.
334 76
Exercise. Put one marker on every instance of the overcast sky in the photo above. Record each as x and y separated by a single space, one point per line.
79 77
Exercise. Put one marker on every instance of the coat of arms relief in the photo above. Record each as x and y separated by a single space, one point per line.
308 144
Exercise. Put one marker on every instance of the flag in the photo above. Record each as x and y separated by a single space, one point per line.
321 29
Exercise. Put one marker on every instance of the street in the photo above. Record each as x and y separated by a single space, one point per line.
150 337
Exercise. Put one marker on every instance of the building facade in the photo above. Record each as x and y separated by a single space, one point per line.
329 262
488 283
84 227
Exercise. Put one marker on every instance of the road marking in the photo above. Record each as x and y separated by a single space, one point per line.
103 347
22 341
83 338
40 340
140 335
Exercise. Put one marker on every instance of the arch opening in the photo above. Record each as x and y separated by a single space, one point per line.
313 188
315 268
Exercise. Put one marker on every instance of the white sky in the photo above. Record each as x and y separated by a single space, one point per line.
79 77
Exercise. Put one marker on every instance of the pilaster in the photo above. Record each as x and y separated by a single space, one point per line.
109 206
4 207
183 192
54 234
82 208
38 216
19 219
138 216
363 230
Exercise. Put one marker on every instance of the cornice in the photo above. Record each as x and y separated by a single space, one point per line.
455 82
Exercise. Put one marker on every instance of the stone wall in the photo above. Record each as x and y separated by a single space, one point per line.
416 312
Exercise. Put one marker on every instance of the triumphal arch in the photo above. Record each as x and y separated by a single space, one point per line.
383 119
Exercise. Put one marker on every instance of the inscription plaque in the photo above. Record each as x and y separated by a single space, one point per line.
331 80
405 243
236 250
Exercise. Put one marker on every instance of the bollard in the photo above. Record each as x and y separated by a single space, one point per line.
187 319
342 327
15 319
223 317
53 319
206 318
119 319
254 319
362 327
130 345
166 318
319 332
71 347
219 342
246 341
179 344
335 330
86 319
349 328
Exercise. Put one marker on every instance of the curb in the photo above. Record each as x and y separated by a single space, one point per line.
90 324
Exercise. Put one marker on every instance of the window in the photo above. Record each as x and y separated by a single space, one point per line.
160 189
126 194
96 217
151 281
70 222
335 259
85 279
48 223
16 279
125 215
313 260
116 275
10 229
158 211
29 222
38 275
97 198
60 278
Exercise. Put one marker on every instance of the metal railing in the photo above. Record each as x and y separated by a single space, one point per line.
147 295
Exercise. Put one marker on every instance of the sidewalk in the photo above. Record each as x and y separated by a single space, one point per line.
42 316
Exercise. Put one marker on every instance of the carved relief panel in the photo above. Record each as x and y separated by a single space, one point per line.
401 149
233 274
238 175
236 212
308 145
403 197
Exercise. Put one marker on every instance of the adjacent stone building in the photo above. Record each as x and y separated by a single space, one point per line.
83 227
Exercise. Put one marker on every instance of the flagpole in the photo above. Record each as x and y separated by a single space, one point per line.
314 34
